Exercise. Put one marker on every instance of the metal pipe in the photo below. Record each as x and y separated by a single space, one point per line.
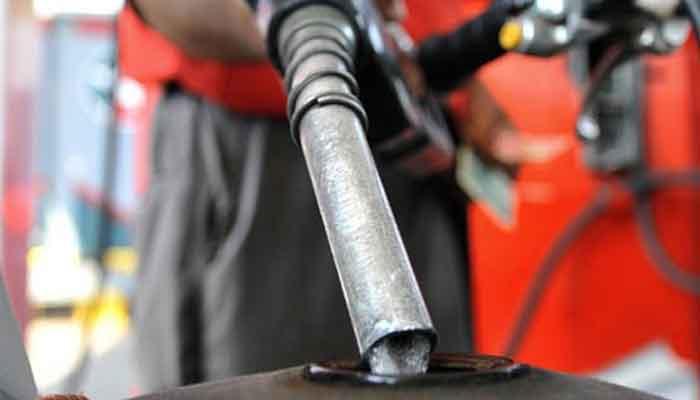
394 332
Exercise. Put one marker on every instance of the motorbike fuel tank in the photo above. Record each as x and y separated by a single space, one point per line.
450 377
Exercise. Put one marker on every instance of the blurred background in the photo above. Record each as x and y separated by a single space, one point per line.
74 171
69 189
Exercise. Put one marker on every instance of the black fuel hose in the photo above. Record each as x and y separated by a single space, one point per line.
655 250
448 59
642 186
692 7
595 208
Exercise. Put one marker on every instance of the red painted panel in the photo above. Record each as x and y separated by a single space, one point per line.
606 300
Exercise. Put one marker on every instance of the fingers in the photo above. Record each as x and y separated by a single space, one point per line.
392 10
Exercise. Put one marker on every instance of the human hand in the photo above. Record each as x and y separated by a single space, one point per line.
392 10
487 128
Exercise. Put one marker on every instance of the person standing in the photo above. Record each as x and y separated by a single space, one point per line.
236 275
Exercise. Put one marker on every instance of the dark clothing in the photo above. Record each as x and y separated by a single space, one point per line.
236 273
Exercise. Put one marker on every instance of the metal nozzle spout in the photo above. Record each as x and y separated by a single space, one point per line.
401 355
317 48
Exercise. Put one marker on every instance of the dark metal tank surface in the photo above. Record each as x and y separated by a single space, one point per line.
450 377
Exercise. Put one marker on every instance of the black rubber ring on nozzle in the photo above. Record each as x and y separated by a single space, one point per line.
332 98
298 89
297 62
293 5
342 52
301 27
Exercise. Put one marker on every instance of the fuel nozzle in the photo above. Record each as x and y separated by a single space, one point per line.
317 45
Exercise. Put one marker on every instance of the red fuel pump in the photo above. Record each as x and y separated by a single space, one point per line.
620 282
